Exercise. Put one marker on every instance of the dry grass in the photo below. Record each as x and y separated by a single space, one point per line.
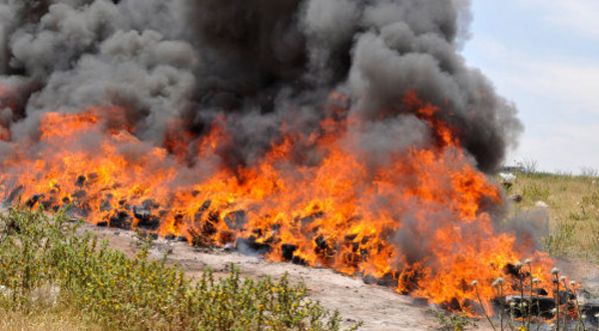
46 320
573 208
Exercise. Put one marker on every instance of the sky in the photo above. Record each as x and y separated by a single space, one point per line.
543 55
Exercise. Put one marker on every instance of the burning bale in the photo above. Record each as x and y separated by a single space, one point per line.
563 302
332 133
236 220
251 245
143 214
576 309
120 219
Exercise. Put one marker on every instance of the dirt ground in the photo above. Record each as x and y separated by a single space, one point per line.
378 307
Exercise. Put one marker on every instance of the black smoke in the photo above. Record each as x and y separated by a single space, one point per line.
261 63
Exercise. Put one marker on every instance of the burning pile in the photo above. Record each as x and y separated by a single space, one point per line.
340 133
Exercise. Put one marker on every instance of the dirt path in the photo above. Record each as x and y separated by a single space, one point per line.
379 308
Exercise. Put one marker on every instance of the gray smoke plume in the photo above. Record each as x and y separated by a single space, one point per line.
262 63
170 73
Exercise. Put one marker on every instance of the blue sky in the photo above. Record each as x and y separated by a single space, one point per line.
544 56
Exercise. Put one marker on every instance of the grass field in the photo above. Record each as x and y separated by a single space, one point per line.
573 207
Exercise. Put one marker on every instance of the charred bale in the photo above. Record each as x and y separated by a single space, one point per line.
287 251
31 202
387 280
226 237
14 195
236 220
565 296
80 182
534 306
77 211
288 254
307 221
515 271
49 203
251 246
79 194
323 248
299 261
121 220
205 205
106 204
591 310
150 204
151 223
145 219
198 239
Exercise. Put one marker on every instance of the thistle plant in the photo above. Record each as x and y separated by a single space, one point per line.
579 315
556 282
524 312
480 301
498 285
535 282
528 263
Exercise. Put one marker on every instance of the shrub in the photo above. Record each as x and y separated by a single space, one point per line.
43 254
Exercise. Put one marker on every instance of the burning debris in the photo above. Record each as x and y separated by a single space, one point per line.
345 134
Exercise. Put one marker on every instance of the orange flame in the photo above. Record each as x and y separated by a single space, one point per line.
340 214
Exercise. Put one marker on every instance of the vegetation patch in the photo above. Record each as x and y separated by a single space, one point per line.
573 206
49 270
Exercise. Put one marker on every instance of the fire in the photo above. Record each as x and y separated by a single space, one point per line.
418 221
56 125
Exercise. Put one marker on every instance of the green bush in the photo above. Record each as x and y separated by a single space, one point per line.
113 291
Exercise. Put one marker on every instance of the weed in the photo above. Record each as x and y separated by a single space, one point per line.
536 192
589 172
116 292
453 321
591 200
560 239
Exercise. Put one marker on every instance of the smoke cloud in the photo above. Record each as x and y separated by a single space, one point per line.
162 77
261 62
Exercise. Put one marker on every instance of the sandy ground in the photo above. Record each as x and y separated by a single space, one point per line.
378 307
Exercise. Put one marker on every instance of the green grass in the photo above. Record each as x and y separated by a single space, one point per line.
53 275
573 209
